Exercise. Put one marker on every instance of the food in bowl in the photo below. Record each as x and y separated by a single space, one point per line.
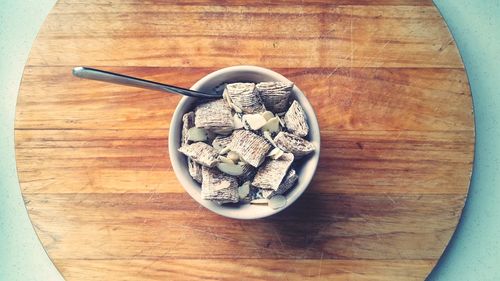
242 148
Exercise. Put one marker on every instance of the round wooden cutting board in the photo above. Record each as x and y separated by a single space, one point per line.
391 95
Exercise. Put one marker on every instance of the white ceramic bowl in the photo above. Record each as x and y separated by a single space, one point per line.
242 73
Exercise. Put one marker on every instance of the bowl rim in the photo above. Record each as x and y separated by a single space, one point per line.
174 143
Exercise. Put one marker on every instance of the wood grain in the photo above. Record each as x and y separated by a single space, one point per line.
397 98
332 36
245 269
174 226
115 161
390 93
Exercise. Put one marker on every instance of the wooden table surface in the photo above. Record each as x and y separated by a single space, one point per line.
392 100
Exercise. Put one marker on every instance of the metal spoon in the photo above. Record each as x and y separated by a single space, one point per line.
110 77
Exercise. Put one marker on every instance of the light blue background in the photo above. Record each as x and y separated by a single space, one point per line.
473 254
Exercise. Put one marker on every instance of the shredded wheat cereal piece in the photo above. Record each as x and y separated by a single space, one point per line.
275 95
298 146
245 97
201 153
287 183
271 173
226 97
295 120
194 170
187 123
251 147
214 116
218 186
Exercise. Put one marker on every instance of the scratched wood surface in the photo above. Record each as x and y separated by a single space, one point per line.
392 100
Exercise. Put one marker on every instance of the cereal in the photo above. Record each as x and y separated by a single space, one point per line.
252 148
287 183
200 153
187 123
298 146
275 95
241 148
214 116
295 120
194 170
245 96
218 186
271 173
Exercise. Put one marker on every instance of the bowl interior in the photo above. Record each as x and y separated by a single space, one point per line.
305 168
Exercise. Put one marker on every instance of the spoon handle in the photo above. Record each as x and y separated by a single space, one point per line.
110 77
